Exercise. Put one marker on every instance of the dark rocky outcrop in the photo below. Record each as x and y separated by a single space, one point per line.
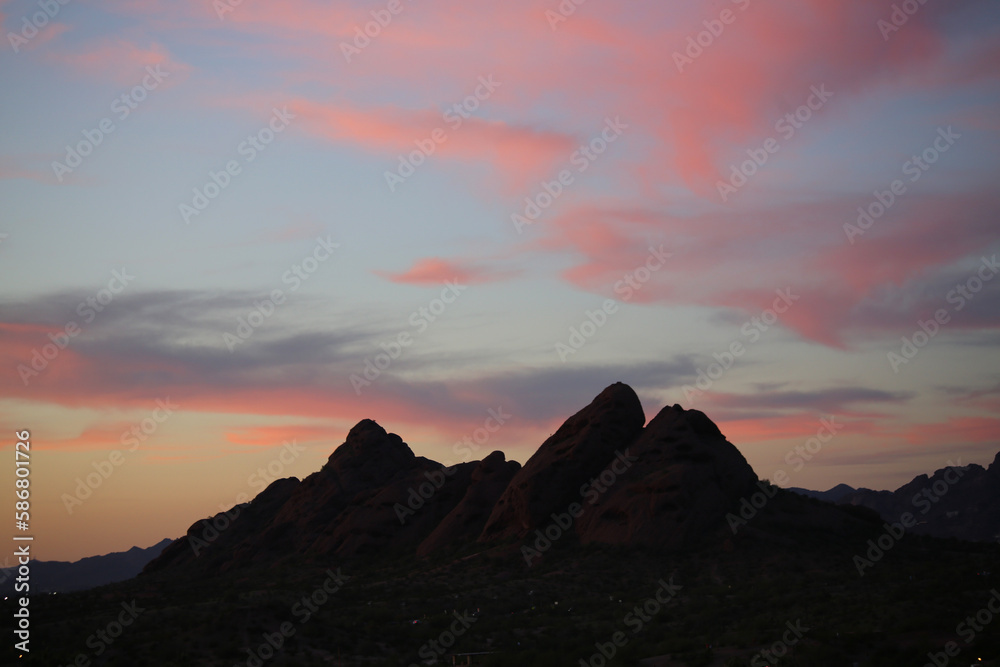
582 447
356 503
684 478
673 484
465 522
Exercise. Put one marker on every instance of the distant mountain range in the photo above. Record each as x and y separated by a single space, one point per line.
961 502
832 496
61 576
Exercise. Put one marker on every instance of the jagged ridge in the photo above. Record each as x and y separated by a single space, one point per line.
667 485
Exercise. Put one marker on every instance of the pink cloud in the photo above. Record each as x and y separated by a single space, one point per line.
48 33
123 61
738 259
101 436
521 155
688 126
435 271
954 431
692 123
10 171
797 426
724 100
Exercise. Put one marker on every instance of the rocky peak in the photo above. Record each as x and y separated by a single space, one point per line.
368 446
580 449
682 478
675 419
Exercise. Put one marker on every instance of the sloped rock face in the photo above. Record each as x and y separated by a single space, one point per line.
399 514
551 479
465 522
222 541
684 478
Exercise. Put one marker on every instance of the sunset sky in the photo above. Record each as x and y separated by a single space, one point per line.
460 190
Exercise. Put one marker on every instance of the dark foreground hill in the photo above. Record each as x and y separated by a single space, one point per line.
619 542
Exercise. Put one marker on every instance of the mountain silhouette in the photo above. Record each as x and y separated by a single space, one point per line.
604 477
619 541
957 501
831 495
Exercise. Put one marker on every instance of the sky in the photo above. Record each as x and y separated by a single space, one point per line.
231 230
